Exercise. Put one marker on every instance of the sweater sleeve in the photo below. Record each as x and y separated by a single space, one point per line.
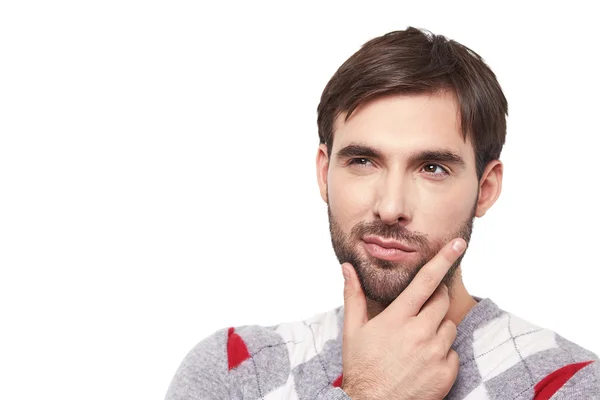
203 373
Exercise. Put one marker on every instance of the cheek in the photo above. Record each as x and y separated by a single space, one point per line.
443 215
349 199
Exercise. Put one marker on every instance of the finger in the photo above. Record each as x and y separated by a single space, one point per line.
435 309
454 362
355 303
410 301
447 333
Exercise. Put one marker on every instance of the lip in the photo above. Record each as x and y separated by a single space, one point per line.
388 250
387 244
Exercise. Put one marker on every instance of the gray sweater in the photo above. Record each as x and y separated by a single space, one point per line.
501 357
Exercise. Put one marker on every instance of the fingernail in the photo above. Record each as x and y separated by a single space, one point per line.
345 272
458 246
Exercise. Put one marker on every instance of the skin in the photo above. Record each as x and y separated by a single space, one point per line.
383 186
405 352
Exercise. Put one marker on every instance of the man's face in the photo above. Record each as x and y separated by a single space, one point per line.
400 183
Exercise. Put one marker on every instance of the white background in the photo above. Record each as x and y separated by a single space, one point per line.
157 176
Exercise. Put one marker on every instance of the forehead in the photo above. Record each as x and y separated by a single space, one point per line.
405 123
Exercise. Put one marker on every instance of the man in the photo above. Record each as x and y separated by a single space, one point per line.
411 129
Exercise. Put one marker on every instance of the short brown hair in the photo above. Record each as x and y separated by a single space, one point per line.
416 61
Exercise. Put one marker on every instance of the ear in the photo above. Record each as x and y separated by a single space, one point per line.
322 169
490 187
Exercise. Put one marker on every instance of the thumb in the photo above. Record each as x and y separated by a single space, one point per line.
355 303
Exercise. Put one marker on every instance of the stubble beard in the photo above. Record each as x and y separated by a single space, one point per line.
382 281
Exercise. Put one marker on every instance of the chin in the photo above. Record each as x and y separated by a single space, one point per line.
383 283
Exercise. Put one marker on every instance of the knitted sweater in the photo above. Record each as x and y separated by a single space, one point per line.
501 357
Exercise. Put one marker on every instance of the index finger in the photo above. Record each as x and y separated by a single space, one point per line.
410 301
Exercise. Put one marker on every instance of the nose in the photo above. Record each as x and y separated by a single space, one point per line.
392 205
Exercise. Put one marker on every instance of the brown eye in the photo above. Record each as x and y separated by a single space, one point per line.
359 161
435 169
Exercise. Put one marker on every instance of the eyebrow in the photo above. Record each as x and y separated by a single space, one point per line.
358 150
438 155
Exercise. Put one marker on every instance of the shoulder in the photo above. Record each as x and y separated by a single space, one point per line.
511 349
249 361
202 371
567 370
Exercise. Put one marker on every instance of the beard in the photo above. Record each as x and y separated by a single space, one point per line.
382 281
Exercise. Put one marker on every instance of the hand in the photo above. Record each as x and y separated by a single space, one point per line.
405 351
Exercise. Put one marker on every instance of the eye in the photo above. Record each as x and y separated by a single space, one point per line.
435 170
361 161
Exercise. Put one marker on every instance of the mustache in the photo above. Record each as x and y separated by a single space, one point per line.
392 232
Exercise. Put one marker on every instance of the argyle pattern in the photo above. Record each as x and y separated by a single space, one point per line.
501 357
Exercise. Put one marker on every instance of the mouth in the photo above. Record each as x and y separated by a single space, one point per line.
388 250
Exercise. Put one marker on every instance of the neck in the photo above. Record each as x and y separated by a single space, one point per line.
461 301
